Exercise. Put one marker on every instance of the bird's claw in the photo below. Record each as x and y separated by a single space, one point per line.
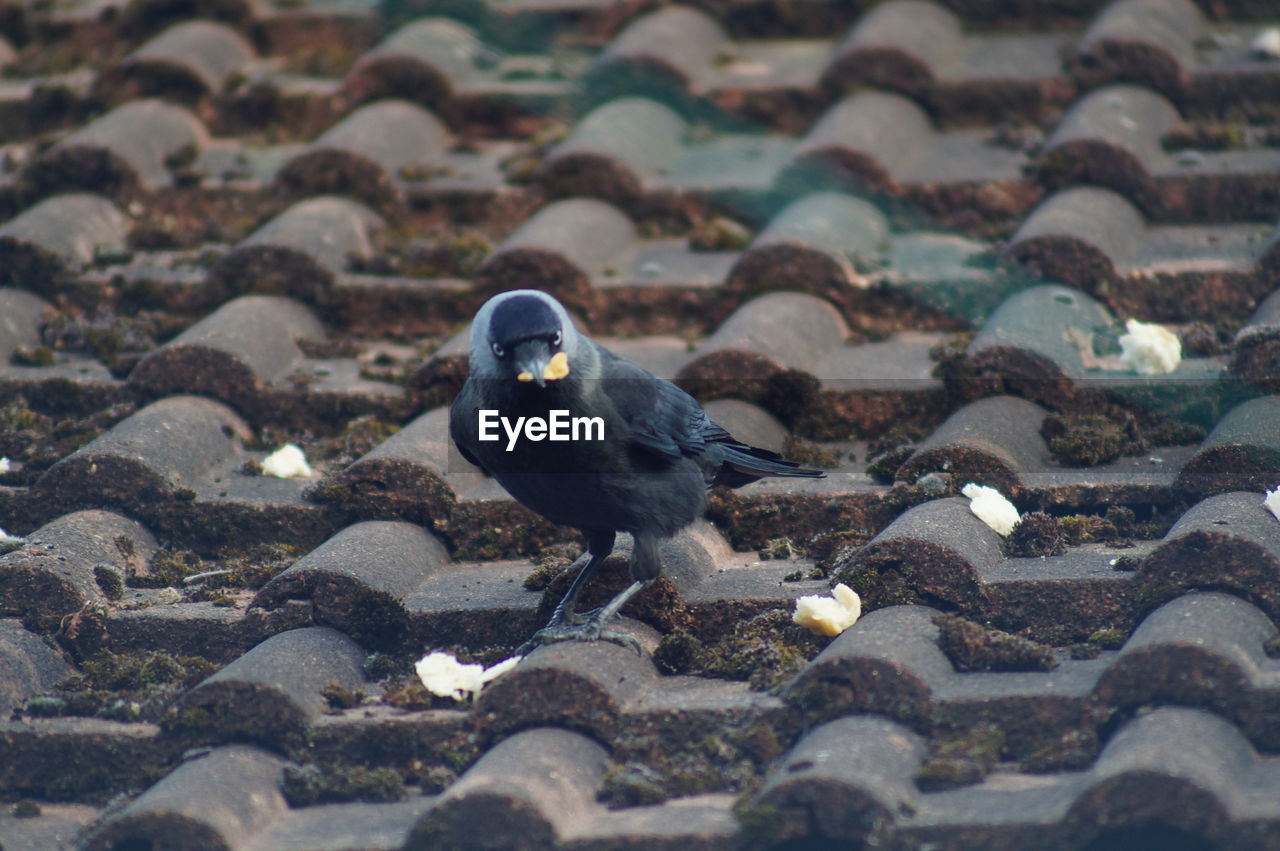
584 627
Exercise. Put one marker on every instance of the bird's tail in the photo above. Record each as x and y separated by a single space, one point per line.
744 464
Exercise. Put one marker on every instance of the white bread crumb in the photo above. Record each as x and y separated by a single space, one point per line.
1272 501
1267 43
991 507
1150 349
828 616
287 462
444 675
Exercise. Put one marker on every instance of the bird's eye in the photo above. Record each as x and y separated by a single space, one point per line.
497 350
556 340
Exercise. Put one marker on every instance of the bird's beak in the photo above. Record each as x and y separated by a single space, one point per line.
533 363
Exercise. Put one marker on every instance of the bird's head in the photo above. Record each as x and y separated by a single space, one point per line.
525 335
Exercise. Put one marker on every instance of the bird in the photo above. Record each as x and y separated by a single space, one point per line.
643 463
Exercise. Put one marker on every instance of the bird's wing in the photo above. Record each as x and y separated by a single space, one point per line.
664 420
464 407
670 424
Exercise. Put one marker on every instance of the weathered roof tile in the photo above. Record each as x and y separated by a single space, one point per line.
157 455
530 790
1115 138
366 153
50 242
234 354
272 693
298 253
1241 453
30 666
215 800
1228 541
848 780
122 154
921 49
357 581
59 569
186 62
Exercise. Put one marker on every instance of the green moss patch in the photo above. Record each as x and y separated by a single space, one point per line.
310 784
973 647
765 651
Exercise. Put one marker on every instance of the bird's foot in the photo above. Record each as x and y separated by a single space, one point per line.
566 625
574 627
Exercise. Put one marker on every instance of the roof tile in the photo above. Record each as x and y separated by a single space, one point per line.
30 665
566 248
234 354
1241 453
880 142
1257 346
216 800
298 253
186 62
428 61
365 154
1115 137
847 780
59 569
1139 39
1228 541
358 579
994 441
615 151
921 49
49 243
159 454
402 478
273 693
124 153
1197 650
530 790
670 51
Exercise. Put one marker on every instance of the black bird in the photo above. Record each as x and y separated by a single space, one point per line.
649 473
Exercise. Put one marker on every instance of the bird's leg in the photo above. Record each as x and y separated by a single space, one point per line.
589 626
599 546
564 609
608 610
